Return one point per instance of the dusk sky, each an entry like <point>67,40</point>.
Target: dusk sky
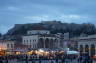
<point>30,11</point>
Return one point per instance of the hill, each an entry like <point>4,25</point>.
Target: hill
<point>55,27</point>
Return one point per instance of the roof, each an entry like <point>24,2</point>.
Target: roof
<point>6,41</point>
<point>47,35</point>
<point>88,39</point>
<point>42,35</point>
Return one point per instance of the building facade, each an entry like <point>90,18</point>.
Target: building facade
<point>6,45</point>
<point>87,44</point>
<point>30,40</point>
<point>48,41</point>
<point>41,39</point>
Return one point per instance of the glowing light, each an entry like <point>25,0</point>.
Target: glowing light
<point>17,53</point>
<point>2,47</point>
<point>41,50</point>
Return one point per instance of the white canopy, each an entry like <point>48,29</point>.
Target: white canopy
<point>72,52</point>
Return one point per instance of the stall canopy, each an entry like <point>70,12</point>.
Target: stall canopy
<point>72,52</point>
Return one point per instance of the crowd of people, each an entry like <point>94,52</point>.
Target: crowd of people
<point>84,58</point>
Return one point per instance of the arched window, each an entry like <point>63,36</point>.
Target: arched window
<point>47,43</point>
<point>41,43</point>
<point>11,45</point>
<point>8,45</point>
<point>55,43</point>
<point>81,48</point>
<point>87,49</point>
<point>30,40</point>
<point>51,43</point>
<point>92,49</point>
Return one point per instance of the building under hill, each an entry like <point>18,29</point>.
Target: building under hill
<point>86,44</point>
<point>41,38</point>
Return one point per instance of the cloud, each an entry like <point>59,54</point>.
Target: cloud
<point>74,18</point>
<point>37,18</point>
<point>71,16</point>
<point>12,8</point>
<point>29,11</point>
<point>65,18</point>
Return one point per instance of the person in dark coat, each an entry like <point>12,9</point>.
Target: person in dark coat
<point>6,60</point>
<point>26,59</point>
<point>1,61</point>
<point>40,61</point>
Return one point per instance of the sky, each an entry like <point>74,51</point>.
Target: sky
<point>34,11</point>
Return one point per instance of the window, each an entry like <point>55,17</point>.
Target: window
<point>27,40</point>
<point>8,45</point>
<point>34,40</point>
<point>11,45</point>
<point>30,40</point>
<point>24,41</point>
<point>33,46</point>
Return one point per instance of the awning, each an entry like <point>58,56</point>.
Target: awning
<point>72,52</point>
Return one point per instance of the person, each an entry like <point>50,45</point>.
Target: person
<point>56,60</point>
<point>52,62</point>
<point>80,59</point>
<point>1,61</point>
<point>40,61</point>
<point>91,60</point>
<point>26,59</point>
<point>6,60</point>
<point>63,60</point>
<point>33,61</point>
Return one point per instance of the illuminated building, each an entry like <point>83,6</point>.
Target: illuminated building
<point>6,45</point>
<point>41,38</point>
